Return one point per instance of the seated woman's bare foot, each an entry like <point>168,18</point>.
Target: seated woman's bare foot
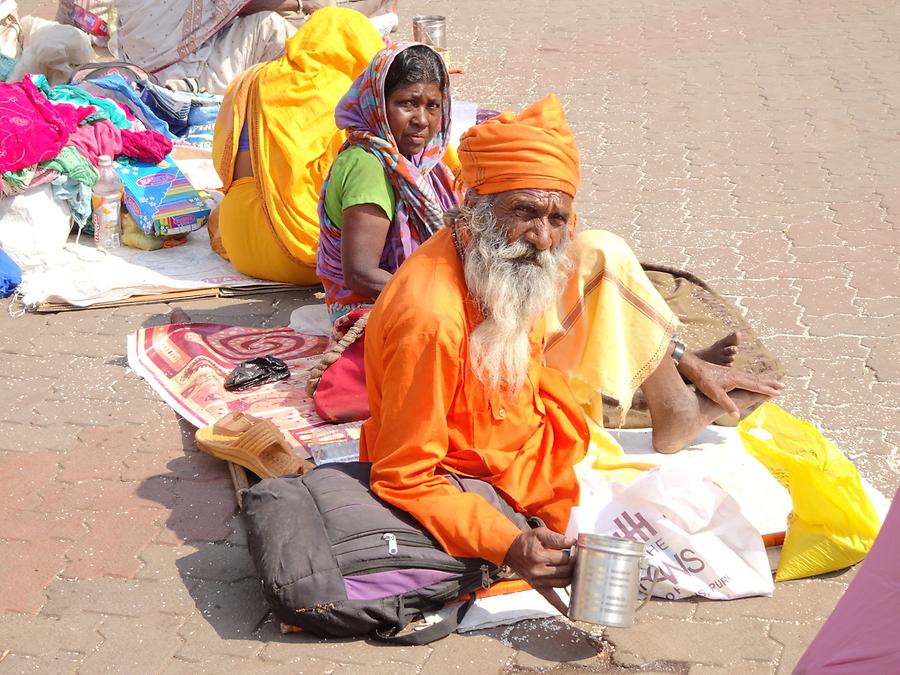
<point>722,352</point>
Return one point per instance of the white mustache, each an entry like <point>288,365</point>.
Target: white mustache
<point>523,252</point>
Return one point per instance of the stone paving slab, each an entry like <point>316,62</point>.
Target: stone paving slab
<point>754,144</point>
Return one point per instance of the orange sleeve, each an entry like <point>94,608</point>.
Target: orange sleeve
<point>422,373</point>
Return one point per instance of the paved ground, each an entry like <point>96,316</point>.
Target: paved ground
<point>755,144</point>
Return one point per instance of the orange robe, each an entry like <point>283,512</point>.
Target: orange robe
<point>430,415</point>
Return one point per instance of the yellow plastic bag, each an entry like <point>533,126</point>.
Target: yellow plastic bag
<point>833,523</point>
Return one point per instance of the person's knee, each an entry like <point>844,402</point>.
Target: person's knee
<point>603,241</point>
<point>605,246</point>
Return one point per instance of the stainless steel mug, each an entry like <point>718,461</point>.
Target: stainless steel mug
<point>606,580</point>
<point>431,29</point>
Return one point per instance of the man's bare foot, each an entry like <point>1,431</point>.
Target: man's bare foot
<point>722,352</point>
<point>747,401</point>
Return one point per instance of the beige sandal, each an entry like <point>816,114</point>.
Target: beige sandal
<point>256,444</point>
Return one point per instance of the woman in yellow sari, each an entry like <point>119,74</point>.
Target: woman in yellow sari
<point>283,113</point>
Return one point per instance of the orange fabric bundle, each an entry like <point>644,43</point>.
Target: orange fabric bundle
<point>533,149</point>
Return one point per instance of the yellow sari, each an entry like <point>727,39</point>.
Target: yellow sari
<point>269,224</point>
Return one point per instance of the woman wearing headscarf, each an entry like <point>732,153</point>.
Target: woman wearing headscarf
<point>385,194</point>
<point>274,141</point>
<point>389,186</point>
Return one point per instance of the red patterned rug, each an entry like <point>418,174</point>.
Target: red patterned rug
<point>186,364</point>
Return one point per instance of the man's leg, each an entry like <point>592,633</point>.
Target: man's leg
<point>611,334</point>
<point>678,413</point>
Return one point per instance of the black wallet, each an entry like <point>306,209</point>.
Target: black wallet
<point>253,373</point>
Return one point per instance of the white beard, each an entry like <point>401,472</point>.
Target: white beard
<point>513,284</point>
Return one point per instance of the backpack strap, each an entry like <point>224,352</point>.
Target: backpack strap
<point>436,631</point>
<point>89,71</point>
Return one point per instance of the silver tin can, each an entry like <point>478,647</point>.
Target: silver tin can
<point>431,29</point>
<point>606,580</point>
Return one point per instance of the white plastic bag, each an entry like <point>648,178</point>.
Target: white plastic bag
<point>10,30</point>
<point>698,542</point>
<point>52,49</point>
<point>34,227</point>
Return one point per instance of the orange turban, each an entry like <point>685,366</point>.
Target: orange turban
<point>533,149</point>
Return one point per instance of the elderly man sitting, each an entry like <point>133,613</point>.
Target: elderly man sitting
<point>459,360</point>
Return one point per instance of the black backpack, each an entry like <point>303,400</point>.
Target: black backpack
<point>337,561</point>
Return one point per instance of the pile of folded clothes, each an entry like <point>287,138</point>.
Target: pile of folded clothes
<point>56,134</point>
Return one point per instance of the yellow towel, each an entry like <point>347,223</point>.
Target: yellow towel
<point>611,328</point>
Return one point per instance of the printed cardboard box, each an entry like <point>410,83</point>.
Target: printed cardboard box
<point>160,198</point>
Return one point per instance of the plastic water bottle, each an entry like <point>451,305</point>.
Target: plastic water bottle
<point>106,203</point>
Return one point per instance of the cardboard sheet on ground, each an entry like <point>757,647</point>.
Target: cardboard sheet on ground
<point>503,610</point>
<point>83,276</point>
<point>197,164</point>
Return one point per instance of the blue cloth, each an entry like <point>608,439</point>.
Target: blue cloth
<point>189,115</point>
<point>244,140</point>
<point>173,107</point>
<point>77,195</point>
<point>10,275</point>
<point>6,67</point>
<point>202,120</point>
<point>119,89</point>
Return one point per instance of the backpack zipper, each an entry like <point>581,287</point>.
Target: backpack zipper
<point>391,540</point>
<point>410,536</point>
<point>414,540</point>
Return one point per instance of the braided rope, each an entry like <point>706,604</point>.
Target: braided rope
<point>333,354</point>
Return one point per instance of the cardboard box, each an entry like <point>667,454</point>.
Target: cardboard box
<point>161,198</point>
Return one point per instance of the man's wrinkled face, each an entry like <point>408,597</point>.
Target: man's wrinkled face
<point>515,262</point>
<point>537,217</point>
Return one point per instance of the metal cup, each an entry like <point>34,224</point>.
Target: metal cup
<point>606,580</point>
<point>431,29</point>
